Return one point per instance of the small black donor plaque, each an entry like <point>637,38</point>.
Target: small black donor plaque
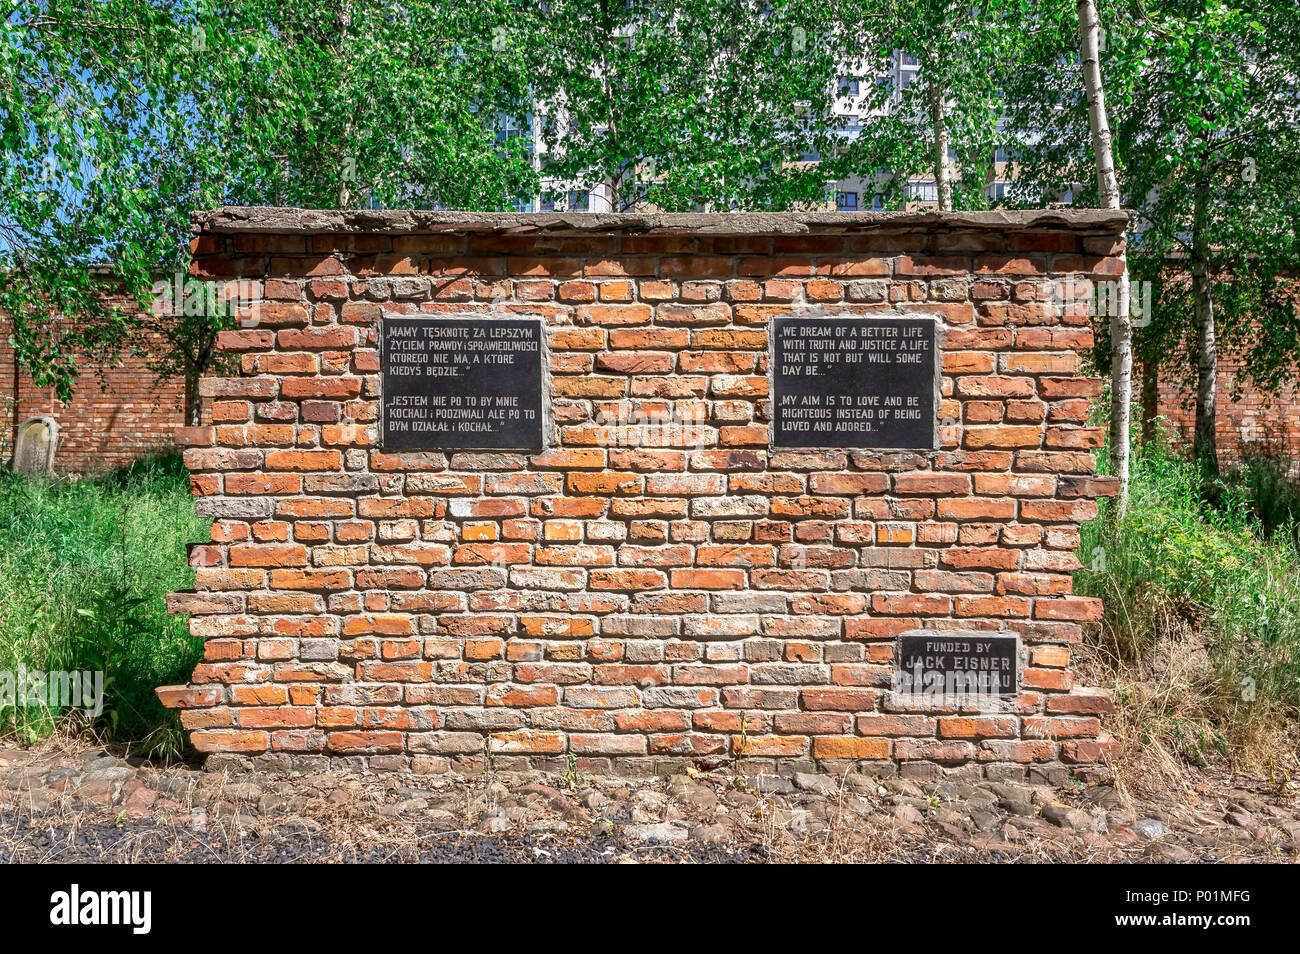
<point>462,383</point>
<point>957,664</point>
<point>861,383</point>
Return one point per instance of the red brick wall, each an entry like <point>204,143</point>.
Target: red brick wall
<point>1254,422</point>
<point>111,420</point>
<point>636,605</point>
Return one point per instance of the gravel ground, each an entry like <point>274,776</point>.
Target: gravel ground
<point>142,840</point>
<point>71,802</point>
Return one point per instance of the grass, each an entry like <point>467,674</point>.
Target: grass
<point>1273,495</point>
<point>1201,635</point>
<point>85,566</point>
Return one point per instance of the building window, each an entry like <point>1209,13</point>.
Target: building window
<point>998,190</point>
<point>877,203</point>
<point>848,86</point>
<point>923,191</point>
<point>846,201</point>
<point>579,202</point>
<point>510,128</point>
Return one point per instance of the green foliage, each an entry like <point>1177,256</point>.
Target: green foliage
<point>1202,98</point>
<point>1201,605</point>
<point>119,118</point>
<point>83,88</point>
<point>965,52</point>
<point>681,104</point>
<point>84,569</point>
<point>334,103</point>
<point>1274,494</point>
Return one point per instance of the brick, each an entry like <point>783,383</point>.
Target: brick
<point>1005,436</point>
<point>851,484</point>
<point>1040,363</point>
<point>318,460</point>
<point>924,482</point>
<point>268,555</point>
<point>1101,750</point>
<point>993,386</point>
<point>707,579</point>
<point>925,604</point>
<point>251,741</point>
<point>1078,608</point>
<point>850,748</point>
<point>997,606</point>
<point>909,750</point>
<point>188,697</point>
<point>1056,680</point>
<point>1061,727</point>
<point>963,727</point>
<point>848,700</point>
<point>316,339</point>
<point>364,742</point>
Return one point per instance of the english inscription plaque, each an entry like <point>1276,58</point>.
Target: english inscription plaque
<point>461,383</point>
<point>850,382</point>
<point>957,663</point>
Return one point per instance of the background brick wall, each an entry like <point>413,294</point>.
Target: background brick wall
<point>116,414</point>
<point>1252,422</point>
<point>637,596</point>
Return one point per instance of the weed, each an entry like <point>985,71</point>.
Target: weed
<point>1202,616</point>
<point>572,778</point>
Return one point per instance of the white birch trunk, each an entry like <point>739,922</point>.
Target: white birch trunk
<point>938,118</point>
<point>1121,328</point>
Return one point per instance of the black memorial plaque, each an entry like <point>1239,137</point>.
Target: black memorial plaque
<point>854,382</point>
<point>958,663</point>
<point>462,383</point>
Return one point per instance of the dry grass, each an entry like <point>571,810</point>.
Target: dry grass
<point>1201,634</point>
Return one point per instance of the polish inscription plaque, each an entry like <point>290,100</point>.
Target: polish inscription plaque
<point>461,383</point>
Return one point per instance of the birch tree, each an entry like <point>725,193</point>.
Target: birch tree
<point>1214,161</point>
<point>943,119</point>
<point>118,118</point>
<point>688,104</point>
<point>1203,103</point>
<point>1121,328</point>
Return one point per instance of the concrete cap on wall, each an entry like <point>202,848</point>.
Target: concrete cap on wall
<point>281,221</point>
